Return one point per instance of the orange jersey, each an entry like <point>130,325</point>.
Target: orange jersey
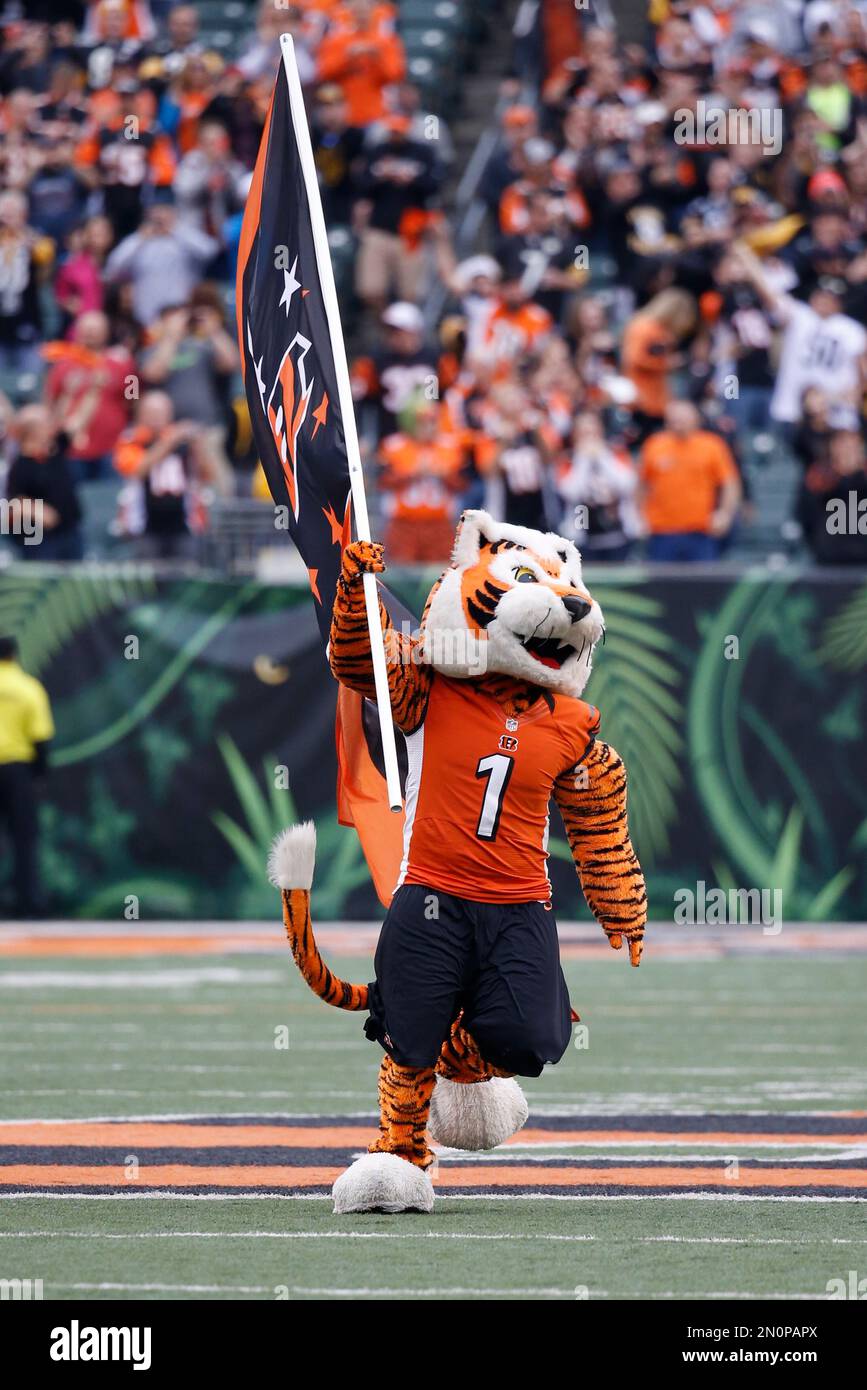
<point>646,358</point>
<point>422,479</point>
<point>362,61</point>
<point>515,210</point>
<point>478,788</point>
<point>682,479</point>
<point>511,333</point>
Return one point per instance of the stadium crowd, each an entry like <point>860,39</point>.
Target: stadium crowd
<point>667,297</point>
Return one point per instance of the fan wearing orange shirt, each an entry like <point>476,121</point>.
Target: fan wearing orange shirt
<point>516,327</point>
<point>422,473</point>
<point>649,354</point>
<point>363,55</point>
<point>690,488</point>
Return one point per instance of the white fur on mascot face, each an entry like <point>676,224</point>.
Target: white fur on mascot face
<point>513,602</point>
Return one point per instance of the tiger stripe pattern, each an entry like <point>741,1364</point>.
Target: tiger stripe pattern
<point>409,682</point>
<point>404,1103</point>
<point>462,1062</point>
<point>592,801</point>
<point>299,931</point>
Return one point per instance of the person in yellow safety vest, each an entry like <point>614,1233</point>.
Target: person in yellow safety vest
<point>26,728</point>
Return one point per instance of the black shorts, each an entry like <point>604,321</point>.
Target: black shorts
<point>499,962</point>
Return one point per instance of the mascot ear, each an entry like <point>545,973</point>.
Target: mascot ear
<point>472,536</point>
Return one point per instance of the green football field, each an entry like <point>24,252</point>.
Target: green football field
<point>174,1115</point>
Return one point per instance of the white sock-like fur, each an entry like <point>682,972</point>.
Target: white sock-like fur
<point>480,1115</point>
<point>292,856</point>
<point>383,1182</point>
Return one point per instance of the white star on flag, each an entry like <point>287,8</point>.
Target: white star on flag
<point>290,285</point>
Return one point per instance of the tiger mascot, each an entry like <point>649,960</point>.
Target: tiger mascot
<point>468,990</point>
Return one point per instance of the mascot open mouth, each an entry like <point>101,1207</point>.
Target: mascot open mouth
<point>549,651</point>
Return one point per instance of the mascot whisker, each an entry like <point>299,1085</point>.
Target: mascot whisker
<point>468,990</point>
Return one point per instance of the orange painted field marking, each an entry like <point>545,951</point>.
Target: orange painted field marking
<point>476,1176</point>
<point>188,1136</point>
<point>184,1135</point>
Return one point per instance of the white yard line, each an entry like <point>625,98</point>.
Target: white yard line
<point>429,1235</point>
<point>471,1293</point>
<point>30,1194</point>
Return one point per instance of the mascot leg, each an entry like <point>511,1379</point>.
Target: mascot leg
<point>392,1176</point>
<point>475,1105</point>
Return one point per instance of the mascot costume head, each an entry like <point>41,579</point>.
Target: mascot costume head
<point>513,603</point>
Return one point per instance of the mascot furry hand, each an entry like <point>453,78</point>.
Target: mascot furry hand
<point>468,989</point>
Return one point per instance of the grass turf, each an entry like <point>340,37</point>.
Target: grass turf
<point>164,1035</point>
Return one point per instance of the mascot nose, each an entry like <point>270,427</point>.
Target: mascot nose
<point>577,608</point>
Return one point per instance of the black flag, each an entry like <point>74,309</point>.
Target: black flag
<point>287,353</point>
<point>287,314</point>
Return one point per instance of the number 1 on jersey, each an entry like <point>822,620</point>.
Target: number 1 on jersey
<point>497,769</point>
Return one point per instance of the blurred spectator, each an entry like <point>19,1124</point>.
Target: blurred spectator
<point>363,55</point>
<point>406,100</point>
<point>821,347</point>
<point>473,282</point>
<point>209,184</point>
<point>518,124</point>
<point>78,286</point>
<point>515,327</point>
<point>519,459</point>
<point>187,98</point>
<point>337,146</point>
<point>179,42</point>
<point>393,374</point>
<point>162,261</point>
<point>25,258</point>
<point>396,181</point>
<point>94,383</point>
<point>599,486</point>
<point>166,463</point>
<point>42,480</point>
<point>690,488</point>
<point>261,56</point>
<point>126,156</point>
<point>192,360</point>
<point>421,475</point>
<point>57,194</point>
<point>26,60</point>
<point>650,354</point>
<point>542,255</point>
<point>538,179</point>
<point>833,503</point>
<point>812,435</point>
<point>742,344</point>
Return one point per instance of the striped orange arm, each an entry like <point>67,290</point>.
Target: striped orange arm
<point>592,802</point>
<point>409,681</point>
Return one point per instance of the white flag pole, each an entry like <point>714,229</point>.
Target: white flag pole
<point>347,411</point>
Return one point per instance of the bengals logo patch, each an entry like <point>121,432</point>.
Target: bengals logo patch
<point>508,743</point>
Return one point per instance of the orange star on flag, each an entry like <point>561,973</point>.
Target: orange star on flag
<point>314,574</point>
<point>320,413</point>
<point>336,526</point>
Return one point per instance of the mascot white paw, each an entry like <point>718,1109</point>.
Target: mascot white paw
<point>382,1182</point>
<point>477,1116</point>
